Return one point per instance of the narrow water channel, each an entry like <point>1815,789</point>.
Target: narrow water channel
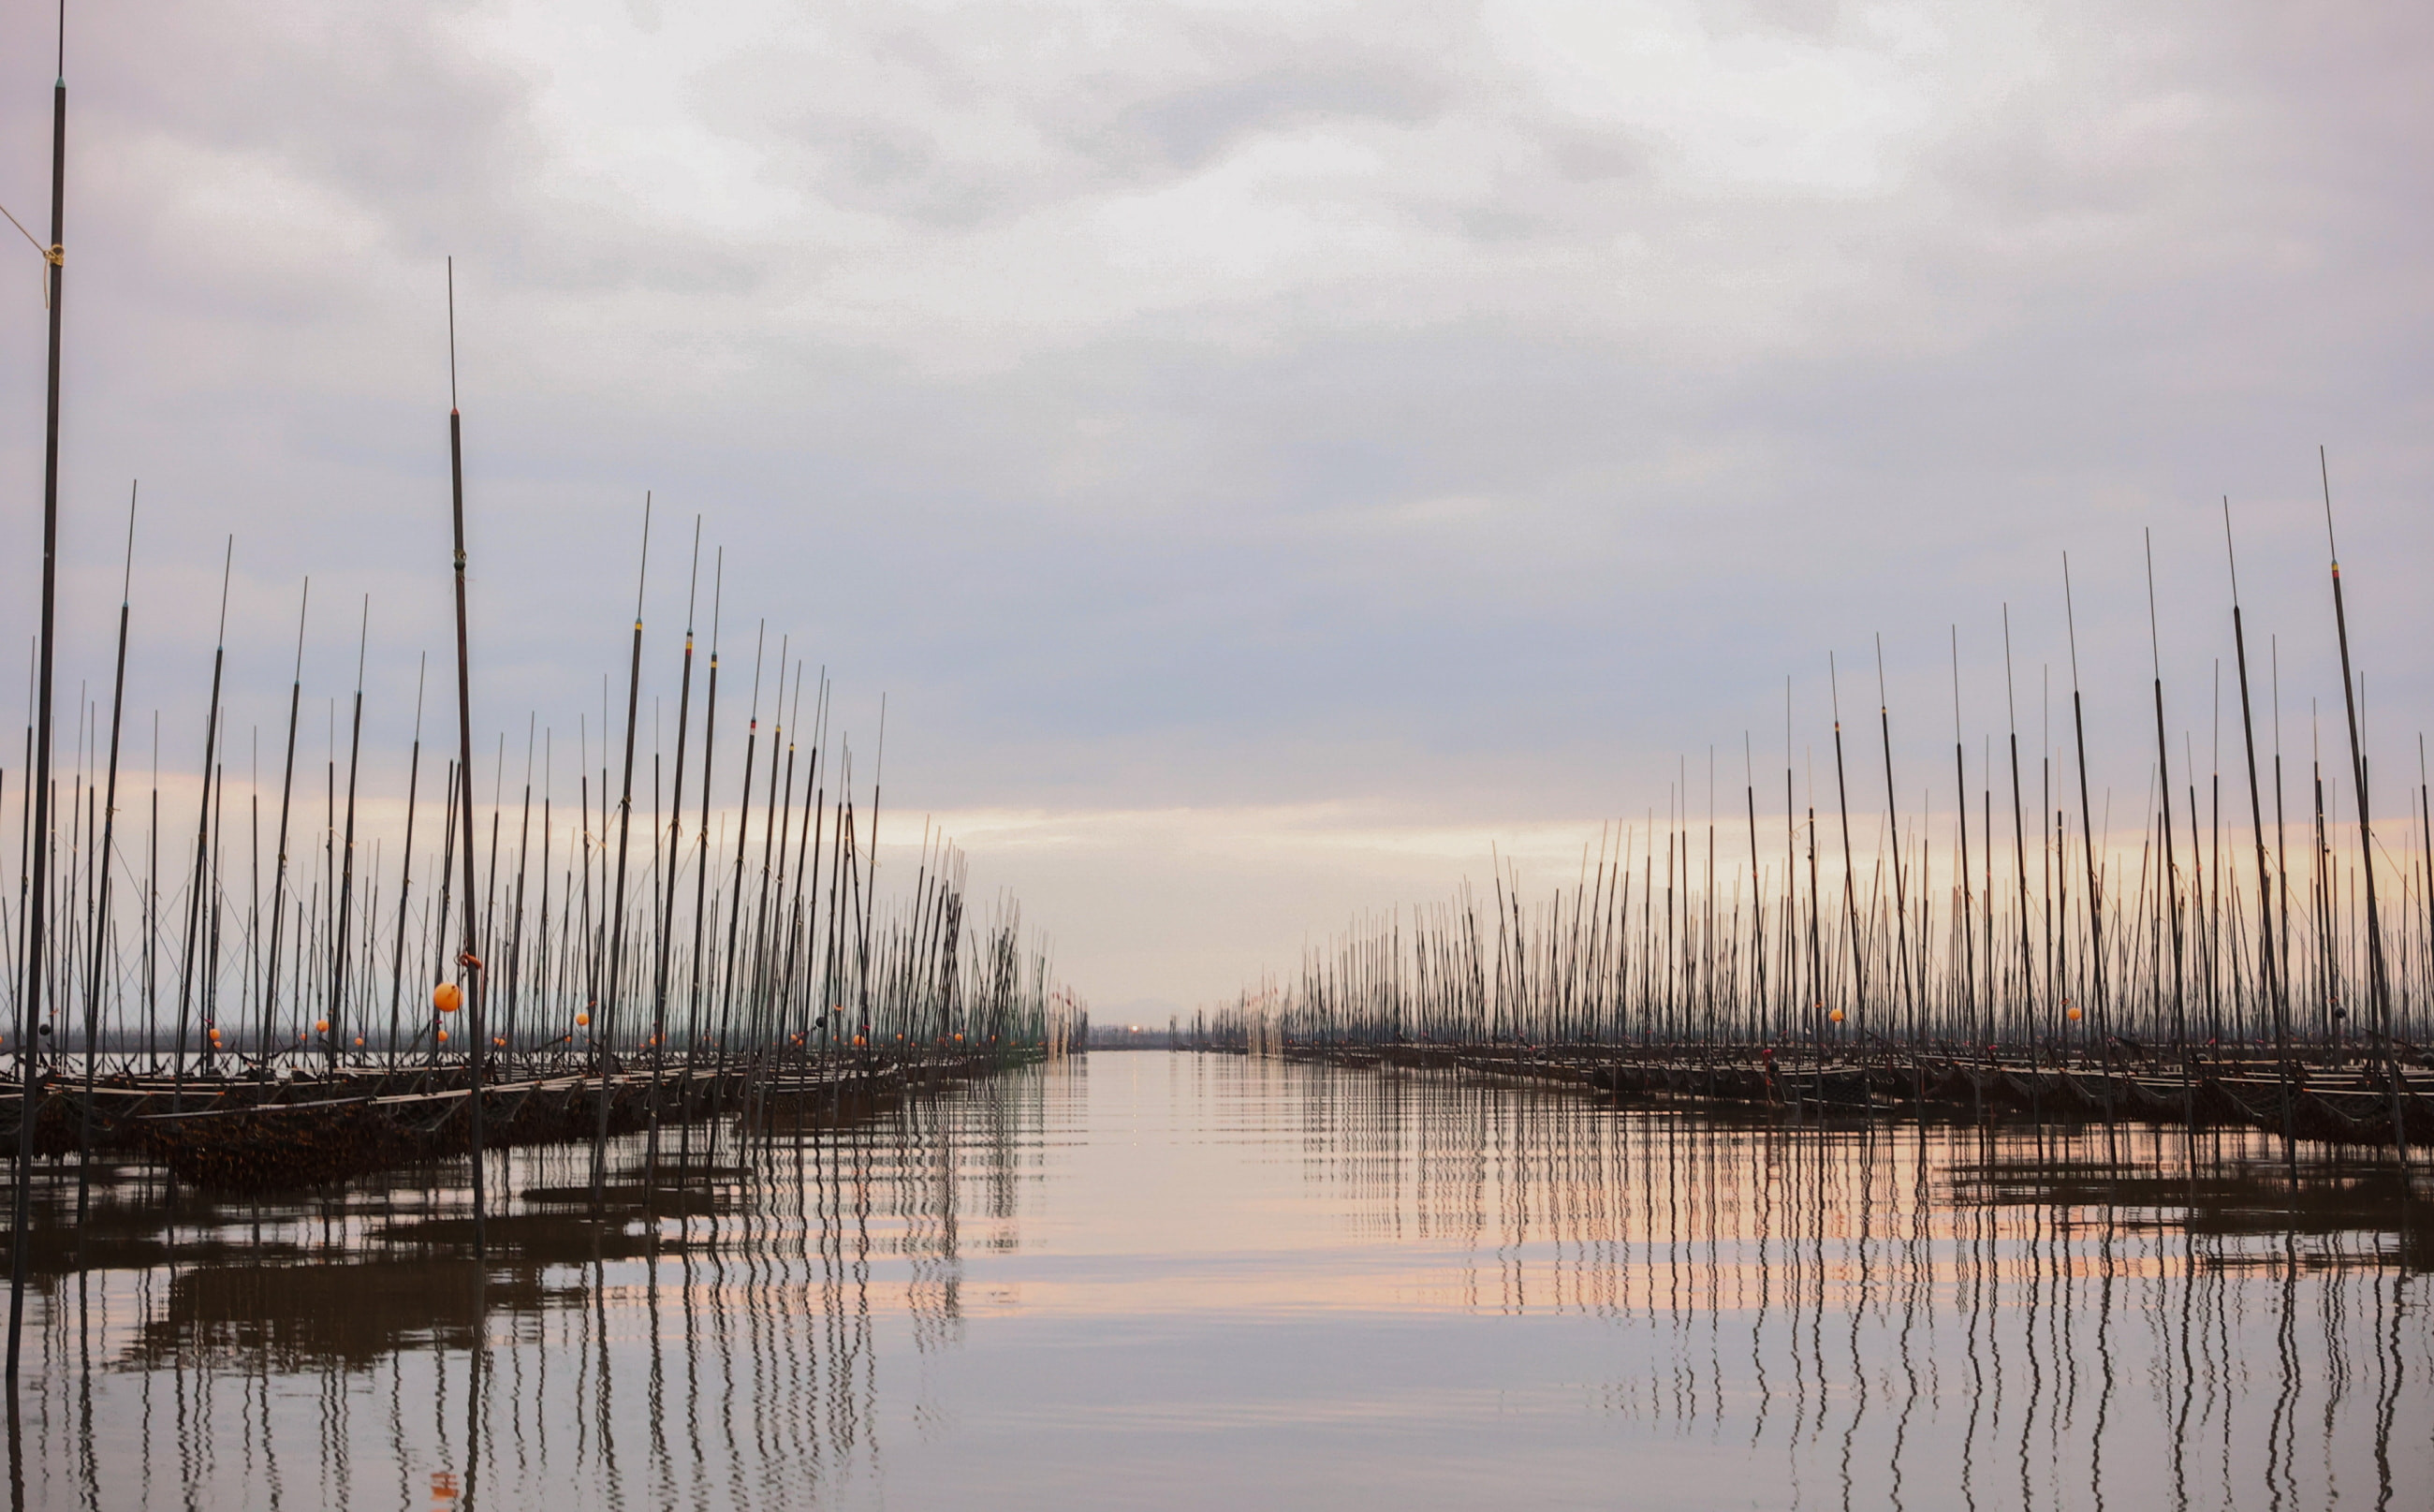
<point>1154,1280</point>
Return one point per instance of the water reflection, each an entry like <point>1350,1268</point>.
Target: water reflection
<point>1210,1281</point>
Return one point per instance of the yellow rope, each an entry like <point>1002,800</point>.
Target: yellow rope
<point>53,254</point>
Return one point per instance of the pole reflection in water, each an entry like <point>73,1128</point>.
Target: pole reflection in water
<point>1205,1281</point>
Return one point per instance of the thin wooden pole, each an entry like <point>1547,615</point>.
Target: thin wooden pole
<point>1901,894</point>
<point>101,906</point>
<point>2019,857</point>
<point>2276,998</point>
<point>743,826</point>
<point>2378,983</point>
<point>1974,1014</point>
<point>31,1004</point>
<point>2170,861</point>
<point>668,888</point>
<point>287,793</point>
<point>405,867</point>
<point>335,1016</point>
<point>604,1022</point>
<point>1850,873</point>
<point>466,956</point>
<point>701,863</point>
<point>2102,1024</point>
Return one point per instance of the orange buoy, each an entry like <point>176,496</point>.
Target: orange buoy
<point>857,1040</point>
<point>2073,1015</point>
<point>359,1041</point>
<point>1836,1015</point>
<point>443,1037</point>
<point>582,1021</point>
<point>446,998</point>
<point>320,1027</point>
<point>498,1039</point>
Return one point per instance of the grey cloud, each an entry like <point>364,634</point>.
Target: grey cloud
<point>1187,127</point>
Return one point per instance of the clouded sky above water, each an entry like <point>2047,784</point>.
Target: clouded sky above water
<point>1266,454</point>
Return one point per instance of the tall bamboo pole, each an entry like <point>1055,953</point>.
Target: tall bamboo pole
<point>464,955</point>
<point>2019,854</point>
<point>30,1004</point>
<point>2277,999</point>
<point>701,863</point>
<point>101,905</point>
<point>1901,894</point>
<point>2378,983</point>
<point>336,1018</point>
<point>287,793</point>
<point>2101,1022</point>
<point>2169,861</point>
<point>405,869</point>
<point>604,1023</point>
<point>1978,1028</point>
<point>668,889</point>
<point>1850,873</point>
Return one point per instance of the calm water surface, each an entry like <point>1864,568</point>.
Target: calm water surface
<point>1187,1282</point>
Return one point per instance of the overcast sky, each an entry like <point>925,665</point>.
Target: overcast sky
<point>1266,454</point>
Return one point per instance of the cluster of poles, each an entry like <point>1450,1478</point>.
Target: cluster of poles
<point>2012,920</point>
<point>228,955</point>
<point>667,913</point>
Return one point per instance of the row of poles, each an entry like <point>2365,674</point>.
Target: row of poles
<point>755,933</point>
<point>2060,937</point>
<point>293,944</point>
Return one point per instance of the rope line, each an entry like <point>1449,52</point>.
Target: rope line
<point>53,254</point>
